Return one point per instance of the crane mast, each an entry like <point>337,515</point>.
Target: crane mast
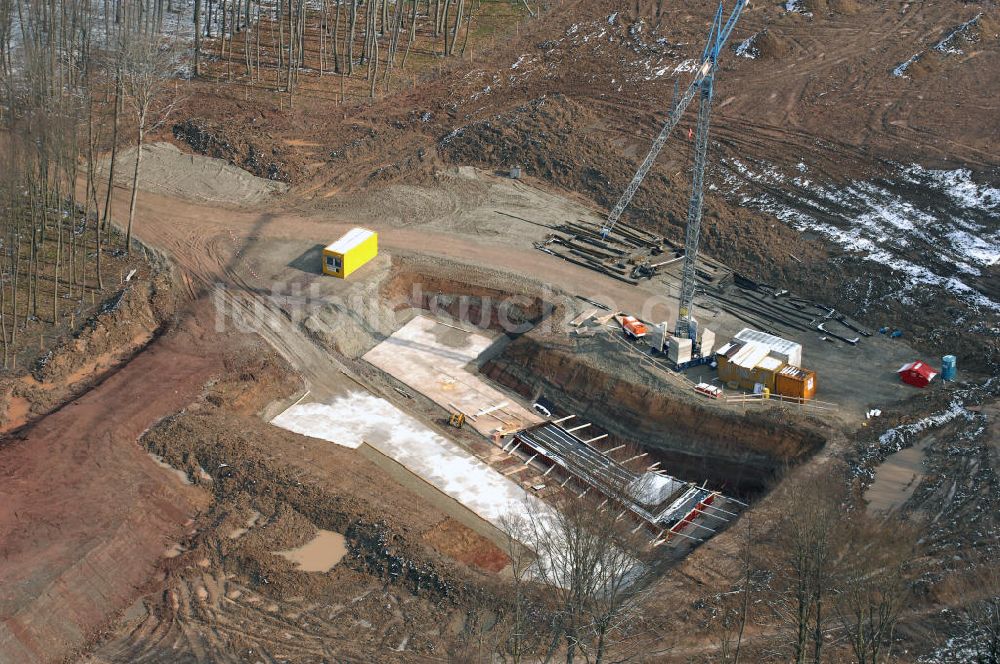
<point>702,86</point>
<point>685,327</point>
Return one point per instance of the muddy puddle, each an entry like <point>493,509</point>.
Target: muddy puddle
<point>897,478</point>
<point>319,554</point>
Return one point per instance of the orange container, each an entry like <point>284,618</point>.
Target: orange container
<point>795,382</point>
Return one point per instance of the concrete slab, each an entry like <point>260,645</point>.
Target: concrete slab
<point>434,359</point>
<point>359,417</point>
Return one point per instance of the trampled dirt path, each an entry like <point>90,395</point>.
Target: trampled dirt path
<point>85,513</point>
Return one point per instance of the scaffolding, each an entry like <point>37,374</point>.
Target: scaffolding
<point>663,503</point>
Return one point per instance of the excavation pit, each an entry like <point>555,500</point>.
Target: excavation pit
<point>740,454</point>
<point>473,301</point>
<point>473,362</point>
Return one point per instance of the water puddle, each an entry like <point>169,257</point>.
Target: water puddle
<point>897,478</point>
<point>319,554</point>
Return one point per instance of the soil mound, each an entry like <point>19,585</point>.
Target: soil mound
<point>770,46</point>
<point>167,170</point>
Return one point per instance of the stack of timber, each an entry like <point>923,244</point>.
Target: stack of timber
<point>627,253</point>
<point>772,310</point>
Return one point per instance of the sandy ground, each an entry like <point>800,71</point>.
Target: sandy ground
<point>165,169</point>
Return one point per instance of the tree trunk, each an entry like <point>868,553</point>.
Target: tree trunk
<point>468,29</point>
<point>291,41</point>
<point>458,25</point>
<point>55,269</point>
<point>444,22</point>
<point>114,151</point>
<point>3,321</point>
<point>336,36</point>
<point>222,28</point>
<point>135,182</point>
<point>197,37</point>
<point>374,61</point>
<point>349,37</point>
<point>413,33</point>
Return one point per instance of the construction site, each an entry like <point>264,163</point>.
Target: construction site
<point>651,334</point>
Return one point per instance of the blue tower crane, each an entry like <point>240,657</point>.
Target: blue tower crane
<point>685,326</point>
<point>702,85</point>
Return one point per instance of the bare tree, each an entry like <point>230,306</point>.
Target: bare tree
<point>147,64</point>
<point>588,559</point>
<point>805,561</point>
<point>197,37</point>
<point>521,637</point>
<point>875,586</point>
<point>733,608</point>
<point>980,616</point>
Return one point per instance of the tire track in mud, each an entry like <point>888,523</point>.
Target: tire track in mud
<point>274,630</point>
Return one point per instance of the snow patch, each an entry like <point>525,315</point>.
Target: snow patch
<point>947,44</point>
<point>900,70</point>
<point>797,7</point>
<point>897,438</point>
<point>748,48</point>
<point>687,65</point>
<point>930,227</point>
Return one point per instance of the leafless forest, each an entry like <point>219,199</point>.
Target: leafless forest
<point>84,78</point>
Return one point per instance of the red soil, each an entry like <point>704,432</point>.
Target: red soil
<point>85,513</point>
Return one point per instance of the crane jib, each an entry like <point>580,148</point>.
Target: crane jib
<point>709,63</point>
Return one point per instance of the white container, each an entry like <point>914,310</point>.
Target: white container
<point>658,337</point>
<point>706,339</point>
<point>787,351</point>
<point>679,350</point>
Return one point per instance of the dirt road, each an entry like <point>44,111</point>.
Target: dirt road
<point>210,242</point>
<point>85,513</point>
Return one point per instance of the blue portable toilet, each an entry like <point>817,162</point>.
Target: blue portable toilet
<point>948,367</point>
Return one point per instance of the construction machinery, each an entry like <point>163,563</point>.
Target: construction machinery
<point>703,86</point>
<point>456,419</point>
<point>633,327</point>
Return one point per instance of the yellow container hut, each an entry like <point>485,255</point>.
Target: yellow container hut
<point>354,249</point>
<point>795,382</point>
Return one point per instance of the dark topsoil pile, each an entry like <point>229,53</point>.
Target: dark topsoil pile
<point>252,150</point>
